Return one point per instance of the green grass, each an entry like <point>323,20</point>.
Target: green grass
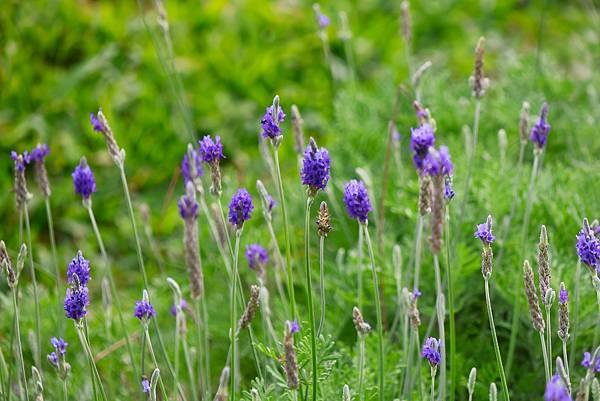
<point>61,60</point>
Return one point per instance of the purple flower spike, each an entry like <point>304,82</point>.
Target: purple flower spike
<point>563,296</point>
<point>20,160</point>
<point>39,153</point>
<point>270,124</point>
<point>323,21</point>
<point>83,179</point>
<point>315,167</point>
<point>96,123</point>
<point>556,390</point>
<point>539,132</point>
<point>59,345</point>
<point>240,208</point>
<point>484,232</point>
<point>294,327</point>
<point>211,151</point>
<point>587,362</point>
<point>182,305</point>
<point>421,139</point>
<point>145,385</point>
<point>186,167</point>
<point>588,246</point>
<point>437,162</point>
<point>448,189</point>
<point>257,256</point>
<point>53,359</point>
<point>76,302</point>
<point>416,293</point>
<point>357,200</point>
<point>80,267</point>
<point>188,206</point>
<point>431,351</point>
<point>144,310</point>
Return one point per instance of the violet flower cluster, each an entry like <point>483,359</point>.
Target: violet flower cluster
<point>60,349</point>
<point>144,310</point>
<point>315,168</point>
<point>182,306</point>
<point>21,160</point>
<point>556,390</point>
<point>83,180</point>
<point>39,153</point>
<point>357,200</point>
<point>484,232</point>
<point>541,129</point>
<point>210,151</point>
<point>588,246</point>
<point>240,208</point>
<point>588,362</point>
<point>431,351</point>
<point>77,297</point>
<point>270,124</point>
<point>421,139</point>
<point>189,171</point>
<point>257,256</point>
<point>188,206</point>
<point>80,267</point>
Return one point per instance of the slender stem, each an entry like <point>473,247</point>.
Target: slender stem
<point>441,317</point>
<point>281,266</point>
<point>178,323</point>
<point>545,355</point>
<point>433,385</point>
<point>153,356</point>
<point>407,387</point>
<point>288,250</point>
<point>516,304</point>
<point>495,340</point>
<point>224,224</point>
<point>19,345</point>
<point>206,338</point>
<point>199,346</point>
<point>378,310</point>
<point>232,314</point>
<point>215,234</point>
<point>90,355</point>
<point>575,313</point>
<point>549,336</point>
<point>361,366</point>
<point>36,299</point>
<point>309,296</point>
<point>472,153</point>
<point>113,287</point>
<point>418,248</point>
<point>565,357</point>
<point>451,309</point>
<point>190,369</point>
<point>55,260</point>
<point>92,374</point>
<point>65,391</point>
<point>359,275</point>
<point>322,282</point>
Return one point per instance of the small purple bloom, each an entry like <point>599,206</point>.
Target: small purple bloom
<point>96,123</point>
<point>587,361</point>
<point>539,132</point>
<point>556,390</point>
<point>20,160</point>
<point>53,359</point>
<point>431,351</point>
<point>188,206</point>
<point>323,21</point>
<point>39,153</point>
<point>59,345</point>
<point>76,302</point>
<point>80,267</point>
<point>257,256</point>
<point>563,296</point>
<point>421,139</point>
<point>294,327</point>
<point>83,179</point>
<point>144,310</point>
<point>357,200</point>
<point>588,246</point>
<point>270,124</point>
<point>484,232</point>
<point>182,306</point>
<point>437,162</point>
<point>240,208</point>
<point>315,167</point>
<point>271,203</point>
<point>396,137</point>
<point>448,189</point>
<point>145,385</point>
<point>211,151</point>
<point>186,168</point>
<point>416,293</point>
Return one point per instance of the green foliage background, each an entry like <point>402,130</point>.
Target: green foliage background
<point>60,60</point>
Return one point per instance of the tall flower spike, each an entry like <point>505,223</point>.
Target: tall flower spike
<point>532,298</point>
<point>100,124</point>
<point>588,246</point>
<point>240,208</point>
<point>563,313</point>
<point>524,123</point>
<point>143,309</point>
<point>212,153</point>
<point>544,264</point>
<point>405,20</point>
<point>83,180</point>
<point>297,125</point>
<point>188,209</point>
<point>22,195</point>
<point>540,130</point>
<point>421,139</point>
<point>291,363</point>
<point>268,203</point>
<point>431,351</point>
<point>270,123</point>
<point>80,267</point>
<point>251,309</point>
<point>191,166</point>
<point>478,82</point>
<point>357,200</point>
<point>323,220</point>
<point>76,302</point>
<point>362,327</point>
<point>38,155</point>
<point>484,233</point>
<point>315,168</point>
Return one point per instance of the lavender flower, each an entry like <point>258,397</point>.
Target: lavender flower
<point>80,267</point>
<point>588,246</point>
<point>211,151</point>
<point>182,306</point>
<point>188,206</point>
<point>563,296</point>
<point>421,139</point>
<point>189,171</point>
<point>144,310</point>
<point>323,20</point>
<point>83,180</point>
<point>484,232</point>
<point>257,256</point>
<point>21,192</point>
<point>448,188</point>
<point>438,162</point>
<point>60,345</point>
<point>53,359</point>
<point>588,362</point>
<point>556,390</point>
<point>416,293</point>
<point>20,160</point>
<point>540,130</point>
<point>315,168</point>
<point>100,124</point>
<point>76,302</point>
<point>38,154</point>
<point>145,385</point>
<point>270,123</point>
<point>97,125</point>
<point>240,208</point>
<point>563,313</point>
<point>357,200</point>
<point>294,327</point>
<point>431,351</point>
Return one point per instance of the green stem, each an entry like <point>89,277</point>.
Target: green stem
<point>575,313</point>
<point>516,304</point>
<point>153,356</point>
<point>36,299</point>
<point>232,314</point>
<point>90,355</point>
<point>190,369</point>
<point>311,312</point>
<point>178,319</point>
<point>495,340</point>
<point>452,321</point>
<point>378,310</point>
<point>549,337</point>
<point>288,251</point>
<point>65,391</point>
<point>361,366</point>
<point>199,346</point>
<point>113,287</point>
<point>281,266</point>
<point>565,358</point>
<point>322,282</point>
<point>215,233</point>
<point>545,355</point>
<point>359,276</point>
<point>433,385</point>
<point>418,248</point>
<point>471,156</point>
<point>441,317</point>
<point>206,337</point>
<point>55,260</point>
<point>19,345</point>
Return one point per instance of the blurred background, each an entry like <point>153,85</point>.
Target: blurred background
<point>167,73</point>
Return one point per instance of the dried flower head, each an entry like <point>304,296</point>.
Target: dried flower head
<point>251,309</point>
<point>357,200</point>
<point>405,22</point>
<point>362,327</point>
<point>83,180</point>
<point>563,313</point>
<point>291,363</point>
<point>323,220</point>
<point>240,208</point>
<point>532,298</point>
<point>484,233</point>
<point>543,259</point>
<point>38,155</point>
<point>425,192</point>
<point>478,82</point>
<point>100,124</point>
<point>7,266</point>
<point>80,267</point>
<point>541,129</point>
<point>315,168</point>
<point>188,206</point>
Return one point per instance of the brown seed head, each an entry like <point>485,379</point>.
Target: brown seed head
<point>532,298</point>
<point>323,220</point>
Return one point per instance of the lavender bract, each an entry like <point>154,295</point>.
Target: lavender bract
<point>240,208</point>
<point>59,344</point>
<point>431,351</point>
<point>145,386</point>
<point>53,359</point>
<point>39,153</point>
<point>182,306</point>
<point>357,200</point>
<point>587,362</point>
<point>257,256</point>
<point>83,179</point>
<point>97,125</point>
<point>563,296</point>
<point>421,139</point>
<point>588,246</point>
<point>270,123</point>
<point>188,206</point>
<point>294,327</point>
<point>211,151</point>
<point>144,310</point>
<point>76,302</point>
<point>541,129</point>
<point>448,189</point>
<point>187,172</point>
<point>437,162</point>
<point>315,167</point>
<point>556,390</point>
<point>80,267</point>
<point>484,232</point>
<point>21,160</point>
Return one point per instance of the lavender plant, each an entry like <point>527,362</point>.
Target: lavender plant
<point>431,353</point>
<point>362,329</point>
<point>57,359</point>
<point>323,229</point>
